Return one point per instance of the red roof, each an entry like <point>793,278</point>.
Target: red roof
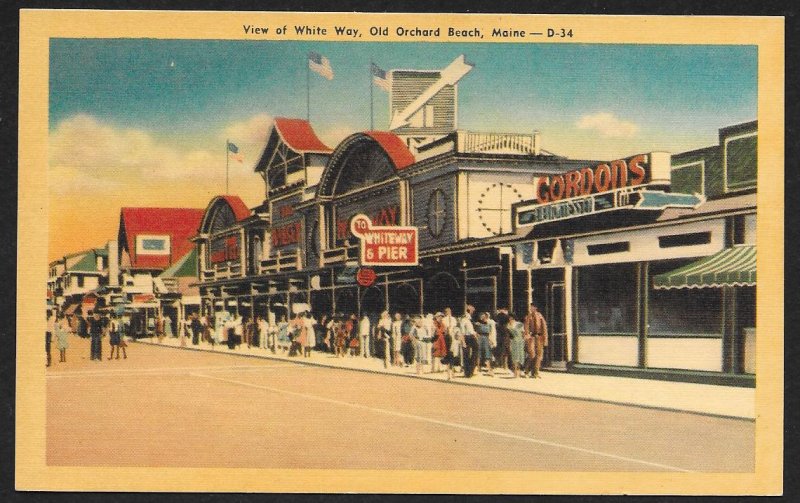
<point>179,223</point>
<point>240,210</point>
<point>300,136</point>
<point>394,146</point>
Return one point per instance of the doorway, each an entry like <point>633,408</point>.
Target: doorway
<point>556,353</point>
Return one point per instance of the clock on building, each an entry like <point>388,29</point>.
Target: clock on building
<point>494,207</point>
<point>436,213</point>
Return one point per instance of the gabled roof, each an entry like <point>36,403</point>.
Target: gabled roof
<point>88,263</point>
<point>298,135</point>
<point>185,267</point>
<point>394,147</point>
<point>179,223</point>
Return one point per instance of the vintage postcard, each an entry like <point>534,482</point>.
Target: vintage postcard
<point>373,253</point>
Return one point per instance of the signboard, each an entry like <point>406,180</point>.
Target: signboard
<point>366,276</point>
<point>385,245</point>
<point>636,198</point>
<point>619,184</point>
<point>640,169</point>
<point>150,244</point>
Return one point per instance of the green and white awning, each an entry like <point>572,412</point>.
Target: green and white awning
<point>730,267</point>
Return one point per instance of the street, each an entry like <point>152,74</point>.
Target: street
<point>164,407</point>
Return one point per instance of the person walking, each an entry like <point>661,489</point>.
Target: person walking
<point>48,335</point>
<point>503,350</point>
<point>62,329</point>
<point>168,332</point>
<point>363,336</point>
<point>115,338</point>
<point>440,345</point>
<point>407,346</point>
<point>183,330</point>
<point>517,344</point>
<point>385,336</point>
<point>95,333</point>
<point>263,332</point>
<point>340,331</point>
<point>397,339</point>
<point>309,323</point>
<point>470,342</point>
<point>487,332</point>
<point>160,328</point>
<point>535,328</point>
<point>351,325</point>
<point>238,330</point>
<point>418,336</point>
<point>196,328</point>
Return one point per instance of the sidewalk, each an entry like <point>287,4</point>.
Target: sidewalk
<point>726,401</point>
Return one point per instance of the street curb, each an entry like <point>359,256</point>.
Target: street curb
<point>471,384</point>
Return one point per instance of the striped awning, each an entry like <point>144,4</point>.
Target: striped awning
<point>730,267</point>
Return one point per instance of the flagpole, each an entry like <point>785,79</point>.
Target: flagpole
<point>227,160</point>
<point>371,100</point>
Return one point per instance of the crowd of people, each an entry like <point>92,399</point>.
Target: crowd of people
<point>95,326</point>
<point>436,342</point>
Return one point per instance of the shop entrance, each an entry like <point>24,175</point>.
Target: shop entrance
<point>556,353</point>
<point>404,299</point>
<point>372,302</point>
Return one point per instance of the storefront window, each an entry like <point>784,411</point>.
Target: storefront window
<point>683,311</point>
<point>607,300</point>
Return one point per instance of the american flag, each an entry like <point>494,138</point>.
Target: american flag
<point>381,78</point>
<point>320,64</point>
<point>233,149</point>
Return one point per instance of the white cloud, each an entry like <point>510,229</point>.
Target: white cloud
<point>334,134</point>
<point>90,153</point>
<point>249,131</point>
<point>608,125</point>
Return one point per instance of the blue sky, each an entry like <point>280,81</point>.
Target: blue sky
<point>190,88</point>
<point>144,122</point>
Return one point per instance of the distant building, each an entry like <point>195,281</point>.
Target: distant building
<point>152,240</point>
<point>76,278</point>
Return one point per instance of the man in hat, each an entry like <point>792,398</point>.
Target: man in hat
<point>96,333</point>
<point>535,329</point>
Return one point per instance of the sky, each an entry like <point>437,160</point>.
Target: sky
<point>144,122</point>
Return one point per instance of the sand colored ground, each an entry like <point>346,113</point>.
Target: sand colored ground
<point>168,407</point>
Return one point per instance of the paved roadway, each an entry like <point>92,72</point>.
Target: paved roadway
<point>170,407</point>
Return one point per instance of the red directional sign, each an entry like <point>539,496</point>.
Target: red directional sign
<point>366,276</point>
<point>385,245</point>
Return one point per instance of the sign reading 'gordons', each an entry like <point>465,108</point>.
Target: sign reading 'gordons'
<point>385,245</point>
<point>604,187</point>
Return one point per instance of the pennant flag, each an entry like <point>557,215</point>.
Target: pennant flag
<point>233,149</point>
<point>381,78</point>
<point>320,64</point>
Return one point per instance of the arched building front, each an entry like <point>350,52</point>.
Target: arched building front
<point>297,247</point>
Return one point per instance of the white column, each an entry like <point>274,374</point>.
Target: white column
<point>568,312</point>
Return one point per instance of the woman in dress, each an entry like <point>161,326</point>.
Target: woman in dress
<point>115,337</point>
<point>517,343</point>
<point>397,339</point>
<point>439,343</point>
<point>62,337</point>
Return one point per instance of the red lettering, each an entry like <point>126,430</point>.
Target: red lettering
<point>602,177</point>
<point>637,170</point>
<point>556,181</point>
<point>573,187</point>
<point>587,181</point>
<point>619,174</point>
<point>542,196</point>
